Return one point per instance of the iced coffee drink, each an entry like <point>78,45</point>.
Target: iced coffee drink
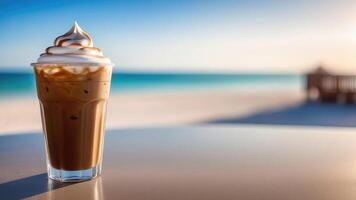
<point>73,84</point>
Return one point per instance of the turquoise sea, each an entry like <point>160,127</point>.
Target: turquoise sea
<point>14,84</point>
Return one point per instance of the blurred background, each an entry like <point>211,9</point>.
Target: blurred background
<point>194,62</point>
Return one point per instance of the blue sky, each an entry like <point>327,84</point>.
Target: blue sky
<point>196,35</point>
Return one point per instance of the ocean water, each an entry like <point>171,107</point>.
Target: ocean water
<point>13,84</point>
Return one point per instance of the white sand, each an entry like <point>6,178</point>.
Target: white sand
<point>157,109</point>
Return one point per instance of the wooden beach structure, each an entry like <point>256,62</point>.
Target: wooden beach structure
<point>324,86</point>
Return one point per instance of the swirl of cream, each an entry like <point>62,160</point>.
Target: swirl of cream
<point>76,46</point>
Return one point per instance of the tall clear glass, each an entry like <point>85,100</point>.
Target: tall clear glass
<point>73,99</point>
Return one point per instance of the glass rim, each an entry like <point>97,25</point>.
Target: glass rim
<point>73,64</point>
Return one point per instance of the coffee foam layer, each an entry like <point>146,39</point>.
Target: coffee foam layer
<point>72,73</point>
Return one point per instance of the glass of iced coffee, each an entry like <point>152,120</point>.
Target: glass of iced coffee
<point>73,85</point>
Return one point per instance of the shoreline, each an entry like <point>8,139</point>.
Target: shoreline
<point>129,110</point>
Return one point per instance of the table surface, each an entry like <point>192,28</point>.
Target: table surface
<point>196,162</point>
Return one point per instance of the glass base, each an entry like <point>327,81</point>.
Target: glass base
<point>73,176</point>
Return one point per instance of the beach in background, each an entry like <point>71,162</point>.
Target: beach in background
<point>193,62</point>
<point>160,99</point>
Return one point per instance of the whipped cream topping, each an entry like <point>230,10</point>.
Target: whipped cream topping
<point>76,46</point>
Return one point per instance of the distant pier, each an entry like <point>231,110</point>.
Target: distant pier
<point>323,86</point>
